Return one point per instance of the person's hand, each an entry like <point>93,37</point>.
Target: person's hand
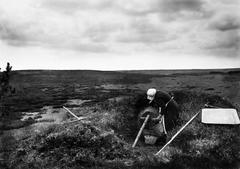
<point>159,110</point>
<point>144,115</point>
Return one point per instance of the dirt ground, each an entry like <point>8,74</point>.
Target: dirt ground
<point>105,98</point>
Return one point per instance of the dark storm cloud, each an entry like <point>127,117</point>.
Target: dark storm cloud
<point>226,23</point>
<point>179,5</point>
<point>232,42</point>
<point>227,41</point>
<point>19,36</point>
<point>184,10</point>
<point>226,33</point>
<point>227,49</point>
<point>11,35</point>
<point>172,9</point>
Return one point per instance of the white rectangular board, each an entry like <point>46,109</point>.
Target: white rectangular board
<point>220,116</point>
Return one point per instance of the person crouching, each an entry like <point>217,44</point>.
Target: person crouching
<point>154,131</point>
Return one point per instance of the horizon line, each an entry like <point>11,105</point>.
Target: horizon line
<point>127,69</point>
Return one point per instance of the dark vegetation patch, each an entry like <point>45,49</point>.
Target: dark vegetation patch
<point>106,141</point>
<point>232,78</point>
<point>15,124</point>
<point>209,89</point>
<point>234,72</point>
<point>217,72</point>
<point>190,87</point>
<point>91,78</point>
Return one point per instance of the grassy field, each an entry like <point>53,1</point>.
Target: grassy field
<point>104,140</point>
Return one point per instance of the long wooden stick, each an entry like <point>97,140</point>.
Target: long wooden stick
<point>163,123</point>
<point>177,133</point>
<point>79,118</point>
<point>169,101</point>
<point>140,131</point>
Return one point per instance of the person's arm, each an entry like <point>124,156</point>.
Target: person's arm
<point>158,118</point>
<point>161,105</point>
<point>163,110</point>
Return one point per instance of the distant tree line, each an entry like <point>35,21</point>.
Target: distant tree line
<point>5,88</point>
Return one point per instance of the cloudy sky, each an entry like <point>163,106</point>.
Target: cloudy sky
<point>120,34</point>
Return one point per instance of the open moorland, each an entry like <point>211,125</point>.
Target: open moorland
<point>35,133</point>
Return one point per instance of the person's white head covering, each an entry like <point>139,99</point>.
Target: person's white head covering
<point>151,93</point>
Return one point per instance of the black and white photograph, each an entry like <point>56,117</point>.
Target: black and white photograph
<point>119,84</point>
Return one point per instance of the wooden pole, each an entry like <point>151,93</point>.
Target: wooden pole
<point>140,131</point>
<point>79,118</point>
<point>177,133</point>
<point>163,123</point>
<point>169,101</point>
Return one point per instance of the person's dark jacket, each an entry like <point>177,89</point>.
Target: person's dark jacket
<point>171,112</point>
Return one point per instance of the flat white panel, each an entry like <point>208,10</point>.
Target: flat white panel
<point>220,116</point>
